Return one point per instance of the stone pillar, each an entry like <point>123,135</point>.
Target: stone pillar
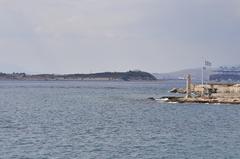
<point>188,86</point>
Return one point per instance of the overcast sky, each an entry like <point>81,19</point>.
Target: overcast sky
<point>70,36</point>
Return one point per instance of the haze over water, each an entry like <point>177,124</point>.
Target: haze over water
<point>103,120</point>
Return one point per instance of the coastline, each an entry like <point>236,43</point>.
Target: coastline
<point>211,93</point>
<point>105,76</point>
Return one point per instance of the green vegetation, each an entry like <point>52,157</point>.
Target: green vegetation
<point>125,76</point>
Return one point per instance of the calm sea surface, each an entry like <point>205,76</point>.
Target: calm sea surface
<point>111,120</point>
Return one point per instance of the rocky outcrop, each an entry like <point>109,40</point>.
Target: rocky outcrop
<point>221,100</point>
<point>210,93</point>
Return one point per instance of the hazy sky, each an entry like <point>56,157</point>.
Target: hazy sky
<point>67,36</point>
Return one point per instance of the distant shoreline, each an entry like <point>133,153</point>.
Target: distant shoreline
<point>105,76</point>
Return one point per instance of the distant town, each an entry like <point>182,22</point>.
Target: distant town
<point>220,74</point>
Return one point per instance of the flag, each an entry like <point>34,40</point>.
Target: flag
<point>207,63</point>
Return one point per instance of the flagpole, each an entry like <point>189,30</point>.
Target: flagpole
<point>203,72</point>
<point>202,76</point>
<point>205,65</point>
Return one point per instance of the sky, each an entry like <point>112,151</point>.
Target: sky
<point>85,36</point>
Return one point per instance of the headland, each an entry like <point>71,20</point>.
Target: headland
<point>105,76</point>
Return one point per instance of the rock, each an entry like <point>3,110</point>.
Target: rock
<point>202,100</point>
<point>174,90</point>
<point>178,90</point>
<point>151,98</point>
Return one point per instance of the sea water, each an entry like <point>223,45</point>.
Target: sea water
<point>111,120</point>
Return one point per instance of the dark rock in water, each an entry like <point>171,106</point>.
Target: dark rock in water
<point>174,90</point>
<point>170,99</point>
<point>151,98</point>
<point>178,90</point>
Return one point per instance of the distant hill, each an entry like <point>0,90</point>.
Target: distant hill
<point>181,74</point>
<point>124,76</point>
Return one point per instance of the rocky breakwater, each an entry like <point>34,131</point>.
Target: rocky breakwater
<point>205,100</point>
<point>213,93</point>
